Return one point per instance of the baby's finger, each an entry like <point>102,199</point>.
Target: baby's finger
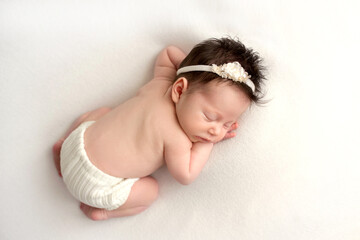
<point>229,135</point>
<point>234,126</point>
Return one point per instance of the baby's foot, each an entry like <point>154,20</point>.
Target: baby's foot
<point>94,213</point>
<point>56,154</point>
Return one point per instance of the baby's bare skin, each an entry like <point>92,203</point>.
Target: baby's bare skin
<point>136,138</point>
<point>128,141</point>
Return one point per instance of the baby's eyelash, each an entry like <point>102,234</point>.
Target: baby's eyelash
<point>206,117</point>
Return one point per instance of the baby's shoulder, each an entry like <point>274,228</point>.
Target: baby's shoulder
<point>174,137</point>
<point>158,88</point>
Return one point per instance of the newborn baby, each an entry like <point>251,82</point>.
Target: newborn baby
<point>192,102</point>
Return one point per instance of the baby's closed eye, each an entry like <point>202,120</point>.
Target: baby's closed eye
<point>209,116</point>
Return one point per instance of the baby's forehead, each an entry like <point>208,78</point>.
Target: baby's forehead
<point>225,98</point>
<point>220,90</point>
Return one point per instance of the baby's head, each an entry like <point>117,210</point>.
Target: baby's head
<point>216,83</point>
<point>219,52</point>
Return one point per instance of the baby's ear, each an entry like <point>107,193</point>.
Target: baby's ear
<point>178,88</point>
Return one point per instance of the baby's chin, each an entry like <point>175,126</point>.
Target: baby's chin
<point>202,140</point>
<point>193,139</point>
<point>196,139</point>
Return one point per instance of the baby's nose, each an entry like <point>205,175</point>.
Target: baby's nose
<point>215,130</point>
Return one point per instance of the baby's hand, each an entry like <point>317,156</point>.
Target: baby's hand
<point>231,133</point>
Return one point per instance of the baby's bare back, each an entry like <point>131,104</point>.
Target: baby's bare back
<point>129,141</point>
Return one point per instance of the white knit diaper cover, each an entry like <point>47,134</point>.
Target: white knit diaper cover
<point>87,183</point>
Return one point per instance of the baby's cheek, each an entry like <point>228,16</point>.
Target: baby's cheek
<point>221,137</point>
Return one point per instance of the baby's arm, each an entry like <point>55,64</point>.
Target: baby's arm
<point>167,63</point>
<point>186,162</point>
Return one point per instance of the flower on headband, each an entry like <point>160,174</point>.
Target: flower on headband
<point>233,71</point>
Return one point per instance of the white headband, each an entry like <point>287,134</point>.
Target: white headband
<point>233,71</point>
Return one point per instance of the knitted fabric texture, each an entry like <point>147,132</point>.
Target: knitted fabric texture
<point>87,183</point>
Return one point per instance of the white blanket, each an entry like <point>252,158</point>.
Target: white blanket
<point>291,173</point>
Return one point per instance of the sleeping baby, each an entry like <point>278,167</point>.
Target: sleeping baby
<point>194,101</point>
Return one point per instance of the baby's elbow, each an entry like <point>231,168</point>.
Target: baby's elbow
<point>181,177</point>
<point>185,183</point>
<point>171,48</point>
<point>185,180</point>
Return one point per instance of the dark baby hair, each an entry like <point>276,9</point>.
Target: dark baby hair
<point>221,51</point>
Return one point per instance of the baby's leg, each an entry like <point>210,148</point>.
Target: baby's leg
<point>143,193</point>
<point>89,116</point>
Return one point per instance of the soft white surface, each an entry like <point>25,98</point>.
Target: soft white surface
<point>293,171</point>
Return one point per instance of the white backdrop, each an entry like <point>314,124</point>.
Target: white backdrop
<point>291,173</point>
